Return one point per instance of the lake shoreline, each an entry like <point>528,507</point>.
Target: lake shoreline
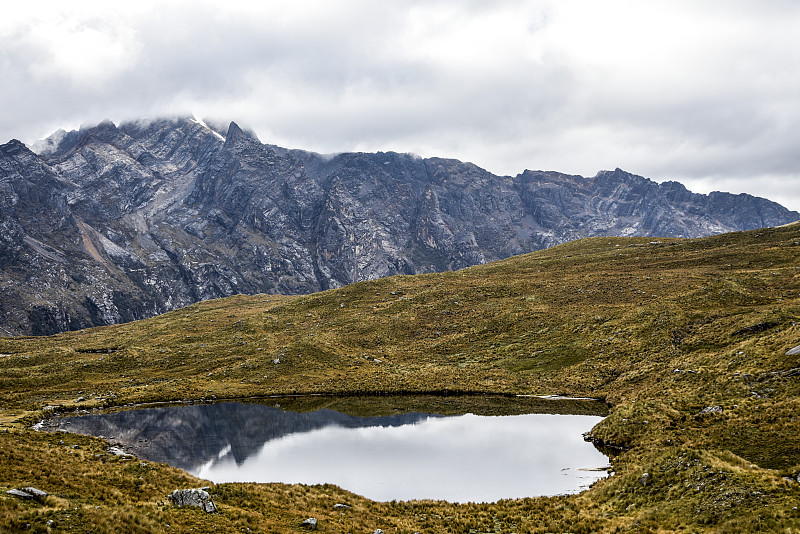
<point>399,448</point>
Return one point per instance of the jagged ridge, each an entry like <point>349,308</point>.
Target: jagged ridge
<point>114,223</point>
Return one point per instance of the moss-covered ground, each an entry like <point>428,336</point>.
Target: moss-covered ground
<point>660,329</point>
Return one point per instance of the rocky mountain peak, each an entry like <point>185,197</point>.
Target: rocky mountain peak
<point>13,148</point>
<point>236,136</point>
<point>115,223</point>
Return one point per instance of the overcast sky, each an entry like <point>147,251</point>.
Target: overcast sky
<point>703,92</point>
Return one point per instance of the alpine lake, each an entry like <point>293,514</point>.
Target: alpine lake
<point>471,448</point>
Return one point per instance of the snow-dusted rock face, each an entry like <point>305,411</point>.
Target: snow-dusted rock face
<point>116,223</point>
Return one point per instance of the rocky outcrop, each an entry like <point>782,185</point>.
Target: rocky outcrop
<point>192,497</point>
<point>28,493</point>
<point>115,223</point>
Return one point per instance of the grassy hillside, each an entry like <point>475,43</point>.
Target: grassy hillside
<point>661,329</point>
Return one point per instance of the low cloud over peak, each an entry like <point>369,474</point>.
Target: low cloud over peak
<point>704,93</point>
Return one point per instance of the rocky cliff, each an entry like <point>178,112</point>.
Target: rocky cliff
<point>115,223</point>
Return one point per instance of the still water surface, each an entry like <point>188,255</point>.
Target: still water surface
<point>458,458</point>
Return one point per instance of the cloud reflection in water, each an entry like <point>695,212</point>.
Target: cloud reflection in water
<point>459,459</point>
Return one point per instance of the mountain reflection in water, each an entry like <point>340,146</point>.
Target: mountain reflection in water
<point>189,436</point>
<point>402,456</point>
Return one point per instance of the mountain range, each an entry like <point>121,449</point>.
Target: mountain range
<point>110,223</point>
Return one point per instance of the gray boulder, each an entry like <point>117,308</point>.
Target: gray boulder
<point>28,493</point>
<point>193,497</point>
<point>711,409</point>
<point>310,523</point>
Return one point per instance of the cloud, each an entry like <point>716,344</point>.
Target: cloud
<point>702,92</point>
<point>464,458</point>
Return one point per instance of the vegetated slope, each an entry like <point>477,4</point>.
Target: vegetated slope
<point>111,224</point>
<point>689,339</point>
